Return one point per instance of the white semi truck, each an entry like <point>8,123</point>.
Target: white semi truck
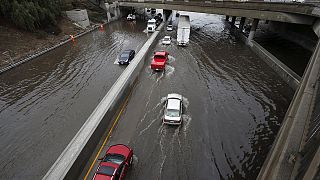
<point>183,32</point>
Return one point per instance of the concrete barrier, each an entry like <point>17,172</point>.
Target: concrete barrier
<point>75,156</point>
<point>286,74</point>
<point>80,16</point>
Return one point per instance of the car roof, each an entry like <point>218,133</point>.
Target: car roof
<point>173,104</point>
<point>119,149</point>
<point>174,95</point>
<point>160,53</point>
<point>127,51</point>
<point>167,37</point>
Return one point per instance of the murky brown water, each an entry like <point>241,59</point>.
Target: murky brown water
<point>45,102</point>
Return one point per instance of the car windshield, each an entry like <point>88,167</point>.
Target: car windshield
<point>173,113</point>
<point>159,58</point>
<point>166,39</point>
<point>169,26</point>
<point>106,170</point>
<point>114,158</point>
<point>124,55</point>
<point>151,23</point>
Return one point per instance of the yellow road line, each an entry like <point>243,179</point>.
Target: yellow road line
<point>107,138</point>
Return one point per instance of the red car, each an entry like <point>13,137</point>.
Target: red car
<point>115,163</point>
<point>159,60</point>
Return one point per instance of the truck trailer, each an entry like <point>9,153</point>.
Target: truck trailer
<point>183,31</point>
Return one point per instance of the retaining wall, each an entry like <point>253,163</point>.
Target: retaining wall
<point>75,156</point>
<point>286,74</point>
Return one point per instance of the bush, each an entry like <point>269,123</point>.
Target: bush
<point>31,14</point>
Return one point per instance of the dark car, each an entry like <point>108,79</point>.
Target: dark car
<point>115,163</point>
<point>126,56</point>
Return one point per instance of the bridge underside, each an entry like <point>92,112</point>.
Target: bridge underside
<point>249,13</point>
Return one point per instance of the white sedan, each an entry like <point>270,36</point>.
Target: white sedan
<point>173,110</point>
<point>166,40</point>
<point>169,27</point>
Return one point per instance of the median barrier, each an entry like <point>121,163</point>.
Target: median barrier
<point>73,159</point>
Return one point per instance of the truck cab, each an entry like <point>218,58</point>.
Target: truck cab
<point>159,60</point>
<point>151,27</point>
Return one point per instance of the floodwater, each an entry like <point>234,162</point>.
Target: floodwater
<point>43,103</point>
<point>234,104</point>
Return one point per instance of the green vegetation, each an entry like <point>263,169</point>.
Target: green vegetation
<point>31,14</point>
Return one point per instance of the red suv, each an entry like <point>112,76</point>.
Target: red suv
<point>115,163</point>
<point>159,60</point>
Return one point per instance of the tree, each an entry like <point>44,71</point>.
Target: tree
<point>31,14</point>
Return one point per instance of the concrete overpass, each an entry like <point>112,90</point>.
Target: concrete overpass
<point>300,13</point>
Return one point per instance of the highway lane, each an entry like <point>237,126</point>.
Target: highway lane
<point>43,103</point>
<point>234,104</point>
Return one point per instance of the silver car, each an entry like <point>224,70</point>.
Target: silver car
<point>173,110</point>
<point>166,40</point>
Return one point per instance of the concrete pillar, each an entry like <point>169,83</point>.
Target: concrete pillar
<point>233,20</point>
<point>253,29</point>
<point>108,16</point>
<point>115,12</point>
<point>242,21</point>
<point>118,10</point>
<point>316,28</point>
<point>227,18</point>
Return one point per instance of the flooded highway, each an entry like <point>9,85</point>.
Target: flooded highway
<point>233,102</point>
<point>43,103</point>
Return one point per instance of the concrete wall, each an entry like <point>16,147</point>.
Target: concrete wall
<point>286,74</point>
<point>80,16</point>
<point>300,34</point>
<point>73,159</point>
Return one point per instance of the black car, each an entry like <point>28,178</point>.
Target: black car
<point>126,56</point>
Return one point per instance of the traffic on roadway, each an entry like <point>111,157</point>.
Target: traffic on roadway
<point>212,112</point>
<point>44,102</point>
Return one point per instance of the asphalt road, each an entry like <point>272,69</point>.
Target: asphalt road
<point>233,107</point>
<point>43,103</point>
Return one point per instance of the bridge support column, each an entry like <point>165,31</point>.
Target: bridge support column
<point>227,18</point>
<point>253,30</point>
<point>316,27</point>
<point>233,20</point>
<point>242,21</point>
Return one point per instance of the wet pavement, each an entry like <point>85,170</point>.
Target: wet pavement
<point>45,102</point>
<point>233,107</point>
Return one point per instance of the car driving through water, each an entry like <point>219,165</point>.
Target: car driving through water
<point>115,163</point>
<point>126,56</point>
<point>173,109</point>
